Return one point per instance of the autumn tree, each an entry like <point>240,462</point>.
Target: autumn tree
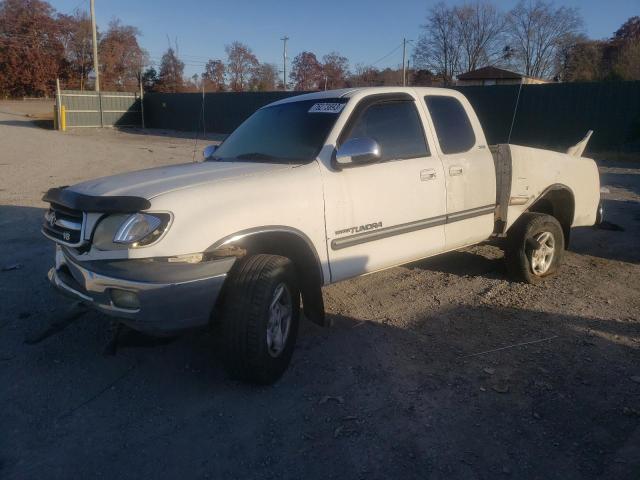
<point>582,61</point>
<point>306,72</point>
<point>538,31</point>
<point>265,78</point>
<point>241,66</point>
<point>121,57</point>
<point>31,51</point>
<point>617,58</point>
<point>623,53</point>
<point>170,78</point>
<point>213,76</point>
<point>335,69</point>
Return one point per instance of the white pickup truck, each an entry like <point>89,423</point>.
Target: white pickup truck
<point>308,191</point>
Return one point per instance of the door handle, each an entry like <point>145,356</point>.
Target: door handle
<point>455,170</point>
<point>427,174</point>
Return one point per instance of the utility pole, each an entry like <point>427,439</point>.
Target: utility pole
<point>95,45</point>
<point>404,62</point>
<point>284,62</point>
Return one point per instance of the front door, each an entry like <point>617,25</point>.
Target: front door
<point>392,211</point>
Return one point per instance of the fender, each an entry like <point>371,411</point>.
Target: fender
<point>242,234</point>
<point>310,286</point>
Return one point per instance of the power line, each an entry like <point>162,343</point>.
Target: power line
<point>76,7</point>
<point>387,55</point>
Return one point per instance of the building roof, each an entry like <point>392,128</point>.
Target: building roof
<point>490,73</point>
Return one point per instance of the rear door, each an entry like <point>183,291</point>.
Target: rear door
<point>468,169</point>
<point>390,212</point>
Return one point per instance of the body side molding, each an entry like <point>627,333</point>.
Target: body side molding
<point>359,238</point>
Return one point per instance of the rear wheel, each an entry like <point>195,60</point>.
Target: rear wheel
<point>535,247</point>
<point>259,318</point>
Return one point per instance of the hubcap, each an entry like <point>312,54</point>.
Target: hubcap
<point>279,323</point>
<point>542,256</point>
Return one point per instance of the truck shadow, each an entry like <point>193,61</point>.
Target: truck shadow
<point>451,385</point>
<point>470,262</point>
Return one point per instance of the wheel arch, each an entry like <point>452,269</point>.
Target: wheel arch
<point>557,200</point>
<point>291,243</point>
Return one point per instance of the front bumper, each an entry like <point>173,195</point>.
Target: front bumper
<point>170,296</point>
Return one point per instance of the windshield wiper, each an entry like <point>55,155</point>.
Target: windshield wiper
<point>258,156</point>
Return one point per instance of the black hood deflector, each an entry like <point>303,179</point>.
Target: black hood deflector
<point>99,204</point>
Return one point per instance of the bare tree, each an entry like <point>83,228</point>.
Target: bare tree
<point>438,49</point>
<point>213,76</point>
<point>241,66</point>
<point>364,76</point>
<point>480,29</point>
<point>306,71</point>
<point>537,32</point>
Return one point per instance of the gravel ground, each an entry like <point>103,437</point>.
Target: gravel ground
<point>422,375</point>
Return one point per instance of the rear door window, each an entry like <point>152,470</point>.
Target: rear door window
<point>453,128</point>
<point>397,128</point>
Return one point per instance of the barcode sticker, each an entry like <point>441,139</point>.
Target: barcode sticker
<point>327,108</point>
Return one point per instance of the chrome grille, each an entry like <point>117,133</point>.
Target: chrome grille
<point>64,225</point>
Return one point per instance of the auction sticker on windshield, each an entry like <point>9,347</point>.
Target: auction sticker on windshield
<point>326,108</point>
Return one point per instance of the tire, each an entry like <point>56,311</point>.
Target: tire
<point>534,248</point>
<point>254,348</point>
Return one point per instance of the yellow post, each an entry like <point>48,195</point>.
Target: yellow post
<point>63,118</point>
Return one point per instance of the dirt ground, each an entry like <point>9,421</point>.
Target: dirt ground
<point>422,375</point>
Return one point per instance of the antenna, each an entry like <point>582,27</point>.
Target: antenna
<point>515,110</point>
<point>195,143</point>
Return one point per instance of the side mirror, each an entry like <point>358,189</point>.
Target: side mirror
<point>208,151</point>
<point>358,151</point>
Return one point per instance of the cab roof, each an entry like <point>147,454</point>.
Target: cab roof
<point>361,91</point>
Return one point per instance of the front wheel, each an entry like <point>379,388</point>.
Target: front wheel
<point>535,247</point>
<point>259,318</point>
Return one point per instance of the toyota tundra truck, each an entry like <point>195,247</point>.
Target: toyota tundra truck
<point>308,191</point>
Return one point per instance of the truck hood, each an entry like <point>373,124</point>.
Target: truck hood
<point>152,182</point>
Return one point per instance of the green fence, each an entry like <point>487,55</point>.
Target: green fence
<point>558,115</point>
<point>83,108</point>
<point>223,111</point>
<point>551,115</point>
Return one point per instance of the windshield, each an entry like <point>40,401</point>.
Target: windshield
<point>289,132</point>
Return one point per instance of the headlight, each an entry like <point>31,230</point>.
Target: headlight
<point>121,231</point>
